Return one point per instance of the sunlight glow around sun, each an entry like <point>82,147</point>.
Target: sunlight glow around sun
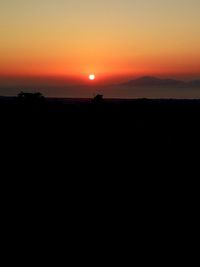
<point>92,77</point>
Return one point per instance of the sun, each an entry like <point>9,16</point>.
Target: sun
<point>92,77</point>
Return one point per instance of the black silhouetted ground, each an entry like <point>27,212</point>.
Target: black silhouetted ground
<point>126,137</point>
<point>120,124</point>
<point>81,168</point>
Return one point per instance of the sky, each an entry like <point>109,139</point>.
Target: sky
<point>110,38</point>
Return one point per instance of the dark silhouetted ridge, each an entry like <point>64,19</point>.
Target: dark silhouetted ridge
<point>195,83</point>
<point>153,81</point>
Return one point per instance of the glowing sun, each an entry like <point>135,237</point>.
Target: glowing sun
<point>92,77</point>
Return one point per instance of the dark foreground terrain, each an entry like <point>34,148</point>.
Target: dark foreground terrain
<point>82,171</point>
<point>108,133</point>
<point>109,129</point>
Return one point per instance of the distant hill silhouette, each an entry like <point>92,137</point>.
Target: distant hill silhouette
<point>195,83</point>
<point>153,81</point>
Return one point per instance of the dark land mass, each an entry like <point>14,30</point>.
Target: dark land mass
<point>81,167</point>
<point>108,133</point>
<point>154,81</point>
<point>111,123</point>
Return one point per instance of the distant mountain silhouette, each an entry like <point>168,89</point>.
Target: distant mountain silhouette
<point>195,83</point>
<point>153,81</point>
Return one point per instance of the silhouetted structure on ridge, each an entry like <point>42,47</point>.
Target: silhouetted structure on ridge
<point>31,100</point>
<point>31,96</point>
<point>98,100</point>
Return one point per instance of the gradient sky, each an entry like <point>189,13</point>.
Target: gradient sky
<point>105,37</point>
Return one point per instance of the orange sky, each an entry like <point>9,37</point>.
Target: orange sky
<point>109,38</point>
